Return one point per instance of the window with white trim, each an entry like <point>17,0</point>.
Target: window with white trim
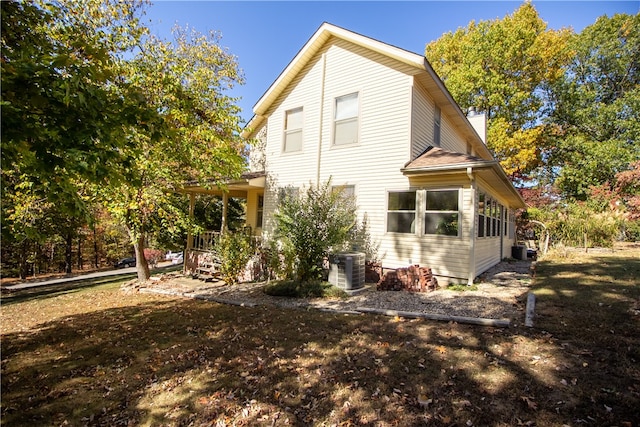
<point>441,213</point>
<point>347,192</point>
<point>292,131</point>
<point>260,211</point>
<point>345,123</point>
<point>481,217</point>
<point>437,120</point>
<point>424,212</point>
<point>401,211</point>
<point>492,217</point>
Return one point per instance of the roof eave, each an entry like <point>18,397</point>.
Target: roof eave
<point>515,197</point>
<point>454,167</point>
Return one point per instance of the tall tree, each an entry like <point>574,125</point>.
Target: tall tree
<point>89,99</point>
<point>501,68</point>
<point>596,106</point>
<point>63,109</point>
<point>62,113</point>
<point>186,81</point>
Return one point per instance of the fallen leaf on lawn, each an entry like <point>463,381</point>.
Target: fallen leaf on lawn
<point>442,349</point>
<point>530,402</point>
<point>424,401</point>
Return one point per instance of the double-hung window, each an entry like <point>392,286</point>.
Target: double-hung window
<point>293,130</point>
<point>345,124</point>
<point>401,211</point>
<point>441,214</point>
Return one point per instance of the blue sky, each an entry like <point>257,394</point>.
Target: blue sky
<point>266,35</point>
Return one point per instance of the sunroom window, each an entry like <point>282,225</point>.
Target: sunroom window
<point>401,211</point>
<point>481,216</point>
<point>441,215</point>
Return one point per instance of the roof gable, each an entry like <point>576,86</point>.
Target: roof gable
<point>424,73</point>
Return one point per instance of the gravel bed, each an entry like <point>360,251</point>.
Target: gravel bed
<point>501,294</point>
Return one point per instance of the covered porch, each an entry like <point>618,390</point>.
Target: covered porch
<point>199,255</point>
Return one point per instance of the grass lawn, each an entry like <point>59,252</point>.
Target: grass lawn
<point>97,356</point>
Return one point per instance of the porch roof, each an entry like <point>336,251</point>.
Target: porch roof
<point>436,161</point>
<point>233,188</point>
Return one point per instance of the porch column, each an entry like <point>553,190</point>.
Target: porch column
<point>225,205</point>
<point>192,204</point>
<point>189,248</point>
<point>472,231</point>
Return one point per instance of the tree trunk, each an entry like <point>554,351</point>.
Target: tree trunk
<point>80,261</point>
<point>68,254</point>
<point>142,267</point>
<point>96,263</point>
<point>24,271</point>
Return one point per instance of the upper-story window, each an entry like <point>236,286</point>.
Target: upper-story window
<point>345,125</point>
<point>293,130</point>
<point>436,126</point>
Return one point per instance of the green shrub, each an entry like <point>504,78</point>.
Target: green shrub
<point>234,251</point>
<point>313,223</point>
<point>307,289</point>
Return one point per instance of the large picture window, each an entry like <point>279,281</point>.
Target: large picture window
<point>401,212</point>
<point>441,215</point>
<point>293,131</point>
<point>345,126</point>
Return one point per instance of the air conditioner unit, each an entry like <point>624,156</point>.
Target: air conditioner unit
<point>346,270</point>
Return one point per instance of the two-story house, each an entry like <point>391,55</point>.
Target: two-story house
<point>379,122</point>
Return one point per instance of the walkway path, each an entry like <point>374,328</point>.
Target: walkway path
<point>121,272</point>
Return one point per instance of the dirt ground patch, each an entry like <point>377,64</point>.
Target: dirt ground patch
<point>97,356</point>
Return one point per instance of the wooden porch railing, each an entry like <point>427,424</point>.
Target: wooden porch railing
<point>205,241</point>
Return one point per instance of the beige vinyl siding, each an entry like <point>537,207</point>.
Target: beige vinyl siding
<point>384,93</point>
<point>383,146</point>
<point>286,168</point>
<point>422,117</point>
<point>384,97</point>
<point>389,135</point>
<point>487,254</point>
<point>448,256</point>
<point>421,121</point>
<point>450,139</point>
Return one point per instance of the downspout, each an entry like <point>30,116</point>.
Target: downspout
<point>472,231</point>
<point>324,69</point>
